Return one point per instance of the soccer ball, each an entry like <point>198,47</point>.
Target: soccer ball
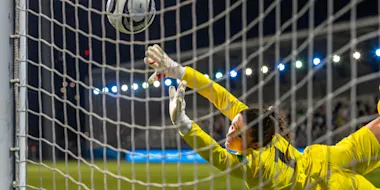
<point>131,16</point>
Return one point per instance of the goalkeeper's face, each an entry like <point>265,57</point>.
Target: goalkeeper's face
<point>238,137</point>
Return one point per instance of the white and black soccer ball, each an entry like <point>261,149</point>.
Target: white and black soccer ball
<point>131,16</point>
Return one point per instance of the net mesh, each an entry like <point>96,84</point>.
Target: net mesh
<point>93,122</point>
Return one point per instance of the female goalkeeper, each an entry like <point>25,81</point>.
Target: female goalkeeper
<point>278,163</point>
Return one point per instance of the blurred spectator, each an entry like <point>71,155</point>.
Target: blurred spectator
<point>219,126</point>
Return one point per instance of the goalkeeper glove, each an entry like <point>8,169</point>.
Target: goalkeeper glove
<point>163,65</point>
<point>177,107</point>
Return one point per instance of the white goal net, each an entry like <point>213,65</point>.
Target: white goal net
<point>86,118</point>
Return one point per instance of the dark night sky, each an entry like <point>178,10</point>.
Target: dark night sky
<point>366,8</point>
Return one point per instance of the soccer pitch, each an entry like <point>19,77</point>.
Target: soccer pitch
<point>42,177</point>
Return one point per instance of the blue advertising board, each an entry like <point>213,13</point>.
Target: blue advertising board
<point>168,156</point>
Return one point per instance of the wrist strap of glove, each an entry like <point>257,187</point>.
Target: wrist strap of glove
<point>184,124</point>
<point>176,70</point>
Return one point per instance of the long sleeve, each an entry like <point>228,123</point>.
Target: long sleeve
<point>228,104</point>
<point>219,157</point>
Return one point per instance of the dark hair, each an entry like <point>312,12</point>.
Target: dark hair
<point>268,124</point>
<point>269,127</point>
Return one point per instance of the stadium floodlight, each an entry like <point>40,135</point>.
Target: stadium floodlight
<point>124,87</point>
<point>207,76</point>
<point>264,69</point>
<point>233,73</point>
<point>156,83</point>
<point>168,82</point>
<point>96,91</point>
<point>299,64</point>
<point>178,81</point>
<point>145,85</point>
<point>378,52</point>
<point>316,61</point>
<point>336,58</point>
<point>218,75</point>
<point>114,89</point>
<point>135,86</point>
<point>248,71</point>
<point>281,66</point>
<point>105,89</point>
<point>356,55</point>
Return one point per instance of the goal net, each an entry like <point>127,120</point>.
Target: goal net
<point>88,120</point>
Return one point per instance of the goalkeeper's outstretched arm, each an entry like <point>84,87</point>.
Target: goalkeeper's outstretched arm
<point>206,146</point>
<point>164,66</point>
<point>223,100</point>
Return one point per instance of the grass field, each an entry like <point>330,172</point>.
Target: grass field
<point>42,177</point>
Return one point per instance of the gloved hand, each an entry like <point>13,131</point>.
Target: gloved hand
<point>177,107</point>
<point>163,65</point>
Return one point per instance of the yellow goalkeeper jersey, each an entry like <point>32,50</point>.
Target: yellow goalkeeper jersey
<point>268,167</point>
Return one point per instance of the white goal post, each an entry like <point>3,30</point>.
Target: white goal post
<point>85,118</point>
<point>8,75</point>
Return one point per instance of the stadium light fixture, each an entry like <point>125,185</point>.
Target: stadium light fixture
<point>114,89</point>
<point>281,66</point>
<point>316,61</point>
<point>135,86</point>
<point>86,52</point>
<point>168,82</point>
<point>145,85</point>
<point>96,91</point>
<point>178,81</point>
<point>378,52</point>
<point>218,75</point>
<point>156,83</point>
<point>299,64</point>
<point>356,55</point>
<point>124,87</point>
<point>233,73</point>
<point>248,71</point>
<point>105,89</point>
<point>207,76</point>
<point>264,69</point>
<point>336,58</point>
